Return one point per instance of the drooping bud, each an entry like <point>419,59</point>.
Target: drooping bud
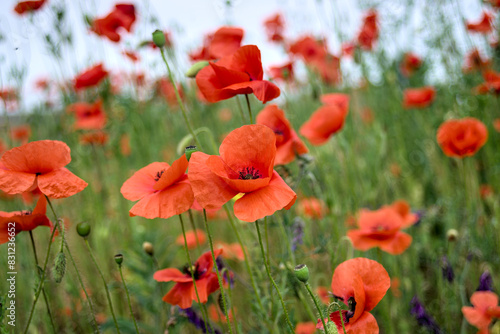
<point>195,68</point>
<point>220,301</point>
<point>189,151</point>
<point>83,229</point>
<point>452,235</point>
<point>119,259</point>
<point>302,273</point>
<point>59,268</point>
<point>148,248</point>
<point>159,38</point>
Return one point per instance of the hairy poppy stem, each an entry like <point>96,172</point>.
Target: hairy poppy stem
<point>128,298</point>
<point>179,100</point>
<point>271,278</point>
<point>38,269</point>
<point>193,226</point>
<point>105,285</point>
<point>204,312</point>
<point>249,109</point>
<point>219,277</point>
<point>308,287</point>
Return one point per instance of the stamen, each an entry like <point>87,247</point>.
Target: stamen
<point>249,173</point>
<point>159,174</point>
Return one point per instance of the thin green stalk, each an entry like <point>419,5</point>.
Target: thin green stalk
<point>43,290</point>
<point>203,308</point>
<point>128,298</point>
<point>266,234</point>
<point>105,285</point>
<point>308,287</point>
<point>249,109</point>
<point>219,277</point>
<point>290,326</point>
<point>240,109</point>
<point>193,226</point>
<point>179,101</point>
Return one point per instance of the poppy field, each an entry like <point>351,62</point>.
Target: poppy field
<point>352,189</point>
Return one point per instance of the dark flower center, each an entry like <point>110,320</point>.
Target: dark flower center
<point>159,174</point>
<point>194,269</point>
<point>249,173</point>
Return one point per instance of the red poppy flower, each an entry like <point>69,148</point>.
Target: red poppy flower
<point>305,328</point>
<point>327,120</point>
<point>88,116</point>
<point>8,94</point>
<point>491,84</point>
<point>122,16</point>
<point>328,68</point>
<point>283,73</point>
<point>483,26</point>
<point>39,164</point>
<point>90,77</point>
<point>231,251</point>
<point>21,133</point>
<point>361,284</point>
<point>216,314</point>
<point>462,137</point>
<point>311,207</point>
<point>239,73</point>
<point>224,42</point>
<point>496,125</point>
<point>368,34</point>
<point>28,6</point>
<point>94,138</point>
<point>162,190</point>
<point>166,89</point>
<point>23,220</point>
<point>183,292</point>
<point>288,144</point>
<point>275,26</point>
<point>348,49</point>
<point>381,228</point>
<point>475,62</point>
<point>485,308</point>
<point>193,238</point>
<point>133,56</point>
<point>418,97</point>
<point>411,62</point>
<point>309,49</point>
<point>245,165</point>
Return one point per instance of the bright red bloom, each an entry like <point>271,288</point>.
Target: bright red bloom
<point>411,62</point>
<point>224,42</point>
<point>183,292</point>
<point>327,120</point>
<point>483,26</point>
<point>39,164</point>
<point>21,133</point>
<point>485,308</point>
<point>283,73</point>
<point>275,26</point>
<point>309,49</point>
<point>162,190</point>
<point>231,251</point>
<point>90,77</point>
<point>94,138</point>
<point>311,207</point>
<point>193,238</point>
<point>239,73</point>
<point>418,97</point>
<point>29,6</point>
<point>475,62</point>
<point>348,49</point>
<point>122,16</point>
<point>245,165</point>
<point>88,116</point>
<point>381,228</point>
<point>8,94</point>
<point>491,84</point>
<point>305,328</point>
<point>368,34</point>
<point>288,144</point>
<point>328,68</point>
<point>462,137</point>
<point>23,220</point>
<point>361,284</point>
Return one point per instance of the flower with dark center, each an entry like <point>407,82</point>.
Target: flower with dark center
<point>249,173</point>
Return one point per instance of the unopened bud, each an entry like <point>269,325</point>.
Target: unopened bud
<point>159,38</point>
<point>195,68</point>
<point>452,235</point>
<point>83,229</point>
<point>119,259</point>
<point>190,150</point>
<point>148,248</point>
<point>302,273</point>
<point>59,268</point>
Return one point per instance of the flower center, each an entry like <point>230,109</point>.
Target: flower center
<point>249,173</point>
<point>194,270</point>
<point>159,174</point>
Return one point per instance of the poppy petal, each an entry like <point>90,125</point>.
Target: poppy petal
<point>13,182</point>
<point>366,323</point>
<point>180,295</point>
<point>396,245</point>
<point>172,174</point>
<point>263,90</point>
<point>265,201</point>
<point>323,123</point>
<point>143,181</point>
<point>171,274</point>
<point>247,59</point>
<point>60,183</point>
<point>475,317</point>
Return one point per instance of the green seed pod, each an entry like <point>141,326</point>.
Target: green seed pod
<point>193,70</point>
<point>119,259</point>
<point>83,229</point>
<point>59,268</point>
<point>159,38</point>
<point>302,273</point>
<point>331,328</point>
<point>190,150</point>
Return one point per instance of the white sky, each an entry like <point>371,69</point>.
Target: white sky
<point>189,20</point>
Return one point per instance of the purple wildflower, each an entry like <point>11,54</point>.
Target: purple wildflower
<point>447,269</point>
<point>423,318</point>
<point>485,282</point>
<point>297,232</point>
<point>197,321</point>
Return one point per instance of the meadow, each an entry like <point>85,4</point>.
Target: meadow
<point>386,186</point>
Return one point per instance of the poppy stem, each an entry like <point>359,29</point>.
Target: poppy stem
<point>193,226</point>
<point>267,240</point>
<point>308,287</point>
<point>249,109</point>
<point>105,285</point>
<point>38,269</point>
<point>240,108</point>
<point>128,298</point>
<point>271,278</point>
<point>219,277</point>
<point>203,308</point>
<point>179,101</point>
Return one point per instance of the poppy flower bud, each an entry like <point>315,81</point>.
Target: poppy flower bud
<point>220,302</point>
<point>302,273</point>
<point>59,268</point>
<point>452,235</point>
<point>159,38</point>
<point>190,150</point>
<point>193,70</point>
<point>83,229</point>
<point>119,259</point>
<point>148,248</point>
